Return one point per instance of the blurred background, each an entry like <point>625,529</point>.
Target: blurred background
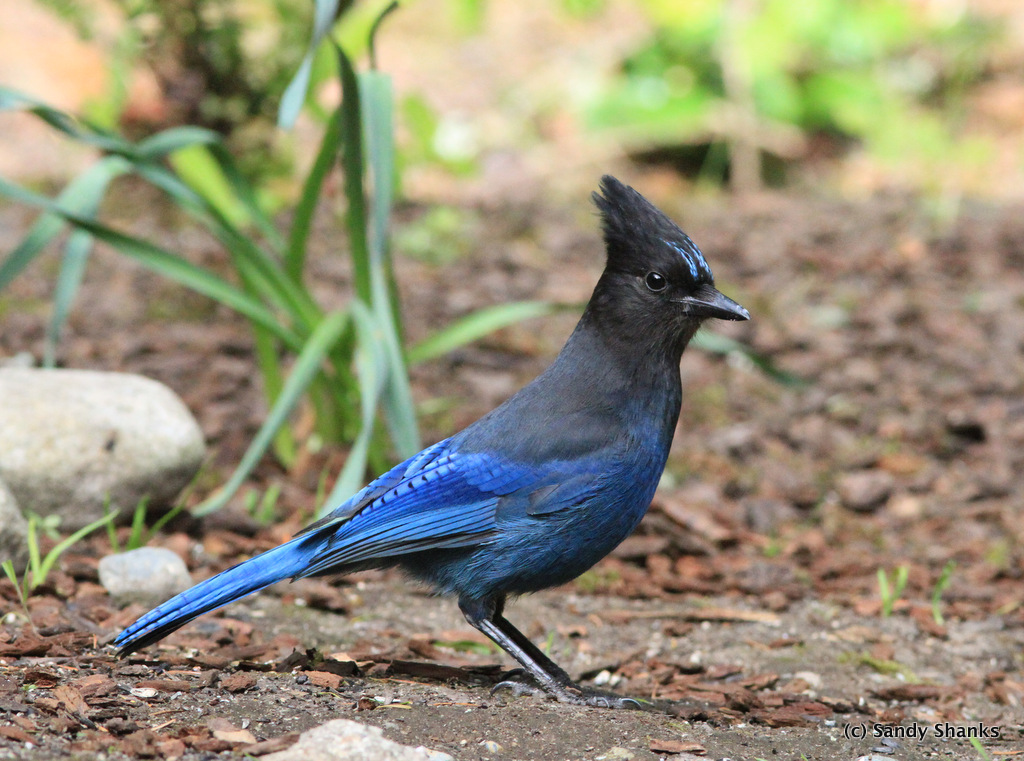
<point>850,98</point>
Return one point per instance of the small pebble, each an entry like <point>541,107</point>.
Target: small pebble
<point>148,575</point>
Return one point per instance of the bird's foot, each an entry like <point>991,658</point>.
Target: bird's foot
<point>518,689</point>
<point>521,683</point>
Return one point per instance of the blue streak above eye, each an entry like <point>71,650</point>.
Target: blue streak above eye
<point>692,256</point>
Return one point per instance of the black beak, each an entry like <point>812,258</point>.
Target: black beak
<point>710,302</point>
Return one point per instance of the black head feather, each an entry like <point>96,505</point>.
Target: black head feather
<point>639,237</point>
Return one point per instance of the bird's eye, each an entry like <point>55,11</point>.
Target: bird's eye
<point>656,281</point>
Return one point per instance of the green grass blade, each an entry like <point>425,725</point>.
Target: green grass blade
<point>399,408</point>
<point>85,198</point>
<point>84,192</point>
<point>260,270</point>
<point>719,344</point>
<point>163,262</point>
<point>231,236</point>
<point>162,144</point>
<point>400,412</point>
<point>268,359</point>
<point>354,176</point>
<point>12,576</point>
<point>12,100</point>
<point>307,366</point>
<point>302,222</point>
<point>44,230</point>
<point>371,367</point>
<point>196,166</point>
<point>76,255</point>
<point>478,324</point>
<point>53,555</point>
<point>377,126</point>
<point>137,536</point>
<point>115,545</point>
<point>326,11</point>
<point>34,560</point>
<point>372,36</point>
<point>20,587</point>
<point>244,192</point>
<point>256,267</point>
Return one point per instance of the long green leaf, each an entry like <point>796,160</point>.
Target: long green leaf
<point>168,141</point>
<point>302,221</point>
<point>258,268</point>
<point>269,361</point>
<point>307,366</point>
<point>326,11</point>
<point>353,167</point>
<point>378,129</point>
<point>196,166</point>
<point>76,255</point>
<point>719,344</point>
<point>478,324</point>
<point>12,100</point>
<point>162,261</point>
<point>375,97</point>
<point>82,192</point>
<point>372,36</point>
<point>245,193</point>
<point>43,230</point>
<point>86,201</point>
<point>53,555</point>
<point>371,368</point>
<point>399,409</point>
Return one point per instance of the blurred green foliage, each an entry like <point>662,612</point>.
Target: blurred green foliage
<point>889,74</point>
<point>220,63</point>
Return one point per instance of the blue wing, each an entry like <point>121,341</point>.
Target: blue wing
<point>439,499</point>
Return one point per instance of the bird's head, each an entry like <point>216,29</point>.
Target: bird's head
<point>654,270</point>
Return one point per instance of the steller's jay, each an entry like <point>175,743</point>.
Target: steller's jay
<point>538,490</point>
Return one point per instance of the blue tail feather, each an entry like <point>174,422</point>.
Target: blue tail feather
<point>236,582</point>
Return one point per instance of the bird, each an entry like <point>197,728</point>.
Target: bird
<point>539,489</point>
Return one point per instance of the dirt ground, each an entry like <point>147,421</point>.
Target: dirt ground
<point>746,607</point>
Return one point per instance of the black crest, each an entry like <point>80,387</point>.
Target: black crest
<point>640,237</point>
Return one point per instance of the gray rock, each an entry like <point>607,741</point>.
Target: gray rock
<point>71,438</point>
<point>865,490</point>
<point>148,575</point>
<point>344,740</point>
<point>13,530</point>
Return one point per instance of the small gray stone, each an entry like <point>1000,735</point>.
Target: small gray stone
<point>344,740</point>
<point>21,359</point>
<point>740,441</point>
<point>865,490</point>
<point>765,516</point>
<point>71,439</point>
<point>13,530</point>
<point>148,575</point>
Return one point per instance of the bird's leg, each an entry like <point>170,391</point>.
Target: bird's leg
<point>486,616</point>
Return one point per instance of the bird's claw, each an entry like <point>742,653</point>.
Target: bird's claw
<point>569,693</point>
<point>518,689</point>
<point>600,700</point>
